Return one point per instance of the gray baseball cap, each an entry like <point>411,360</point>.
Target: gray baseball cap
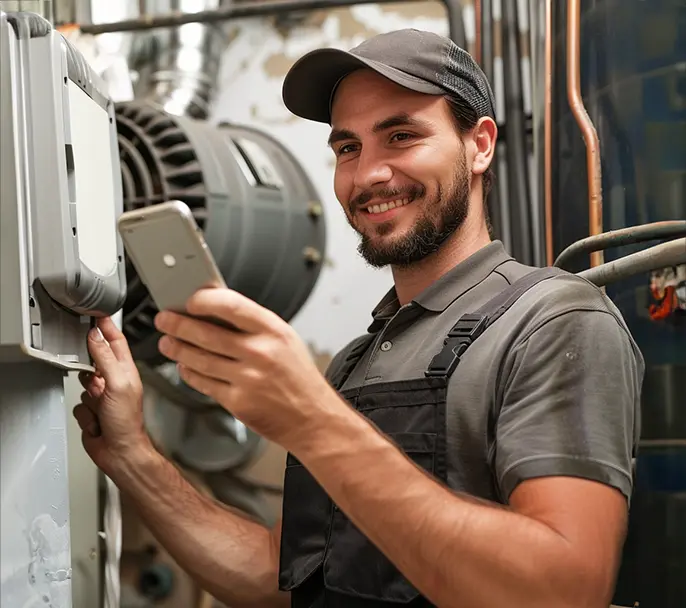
<point>421,61</point>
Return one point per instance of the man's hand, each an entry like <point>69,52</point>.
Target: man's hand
<point>111,413</point>
<point>261,372</point>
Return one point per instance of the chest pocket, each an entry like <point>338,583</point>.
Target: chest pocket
<point>412,415</point>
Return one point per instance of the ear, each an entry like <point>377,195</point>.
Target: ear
<point>484,134</point>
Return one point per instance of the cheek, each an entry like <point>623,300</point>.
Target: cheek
<point>343,187</point>
<point>426,167</point>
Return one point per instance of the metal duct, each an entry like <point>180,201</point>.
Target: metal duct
<point>178,67</point>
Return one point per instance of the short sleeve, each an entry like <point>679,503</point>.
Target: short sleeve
<point>570,403</point>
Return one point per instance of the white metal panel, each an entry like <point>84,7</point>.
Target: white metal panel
<point>35,561</point>
<point>84,502</point>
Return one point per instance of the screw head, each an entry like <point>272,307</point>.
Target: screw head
<point>312,256</point>
<point>315,209</point>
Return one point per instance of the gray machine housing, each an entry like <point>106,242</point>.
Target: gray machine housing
<point>51,289</point>
<point>259,211</point>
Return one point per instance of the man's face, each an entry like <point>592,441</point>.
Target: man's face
<point>401,168</point>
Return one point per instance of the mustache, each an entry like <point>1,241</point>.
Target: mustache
<point>411,192</point>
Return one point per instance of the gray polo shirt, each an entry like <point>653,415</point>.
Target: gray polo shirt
<point>551,388</point>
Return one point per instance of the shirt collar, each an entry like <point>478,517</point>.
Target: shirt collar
<point>443,292</point>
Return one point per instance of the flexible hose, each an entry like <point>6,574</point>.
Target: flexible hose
<point>113,540</point>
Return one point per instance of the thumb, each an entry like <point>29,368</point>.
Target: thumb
<point>102,354</point>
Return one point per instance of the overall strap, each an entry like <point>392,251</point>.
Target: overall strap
<point>472,325</point>
<point>357,349</point>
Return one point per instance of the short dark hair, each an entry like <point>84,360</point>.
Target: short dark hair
<point>465,118</point>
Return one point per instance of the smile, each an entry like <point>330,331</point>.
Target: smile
<point>383,207</point>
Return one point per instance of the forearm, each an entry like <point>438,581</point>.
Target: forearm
<point>455,550</point>
<point>230,556</point>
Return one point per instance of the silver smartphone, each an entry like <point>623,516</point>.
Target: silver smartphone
<point>167,249</point>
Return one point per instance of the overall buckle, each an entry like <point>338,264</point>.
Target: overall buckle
<point>460,337</point>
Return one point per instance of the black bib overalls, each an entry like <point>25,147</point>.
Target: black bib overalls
<point>325,560</point>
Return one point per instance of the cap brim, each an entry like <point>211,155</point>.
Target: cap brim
<point>309,85</point>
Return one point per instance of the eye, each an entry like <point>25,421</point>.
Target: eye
<point>346,149</point>
<point>401,136</point>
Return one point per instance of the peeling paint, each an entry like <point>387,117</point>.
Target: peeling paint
<point>349,26</point>
<point>277,66</point>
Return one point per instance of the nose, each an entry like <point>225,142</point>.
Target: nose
<point>372,169</point>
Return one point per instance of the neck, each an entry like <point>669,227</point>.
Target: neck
<point>410,281</point>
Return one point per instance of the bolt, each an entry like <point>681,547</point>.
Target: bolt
<point>312,256</point>
<point>315,209</point>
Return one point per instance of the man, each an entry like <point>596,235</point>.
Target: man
<point>497,477</point>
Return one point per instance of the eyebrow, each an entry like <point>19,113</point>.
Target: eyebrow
<point>397,120</point>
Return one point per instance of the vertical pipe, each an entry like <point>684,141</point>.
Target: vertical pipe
<point>548,133</point>
<point>595,196</point>
<point>486,39</point>
<point>477,32</point>
<point>70,12</point>
<point>496,201</point>
<point>515,138</point>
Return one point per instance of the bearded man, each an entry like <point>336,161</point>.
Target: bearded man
<point>473,449</point>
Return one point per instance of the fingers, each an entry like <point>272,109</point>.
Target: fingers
<point>117,340</point>
<point>102,354</point>
<point>203,334</point>
<point>94,384</point>
<point>214,389</point>
<point>87,420</point>
<point>109,348</point>
<point>232,307</point>
<point>198,360</point>
<point>90,404</point>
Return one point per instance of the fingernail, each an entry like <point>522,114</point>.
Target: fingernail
<point>96,334</point>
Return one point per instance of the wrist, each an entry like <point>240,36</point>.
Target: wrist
<point>334,430</point>
<point>137,461</point>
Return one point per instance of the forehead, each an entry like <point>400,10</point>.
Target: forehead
<point>364,98</point>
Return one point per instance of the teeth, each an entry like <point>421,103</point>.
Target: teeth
<point>388,206</point>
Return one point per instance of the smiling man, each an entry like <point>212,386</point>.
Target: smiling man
<point>413,132</point>
<point>473,449</point>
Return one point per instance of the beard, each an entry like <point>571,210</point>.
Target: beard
<point>441,217</point>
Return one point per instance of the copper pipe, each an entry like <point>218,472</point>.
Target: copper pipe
<point>477,31</point>
<point>548,132</point>
<point>576,103</point>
